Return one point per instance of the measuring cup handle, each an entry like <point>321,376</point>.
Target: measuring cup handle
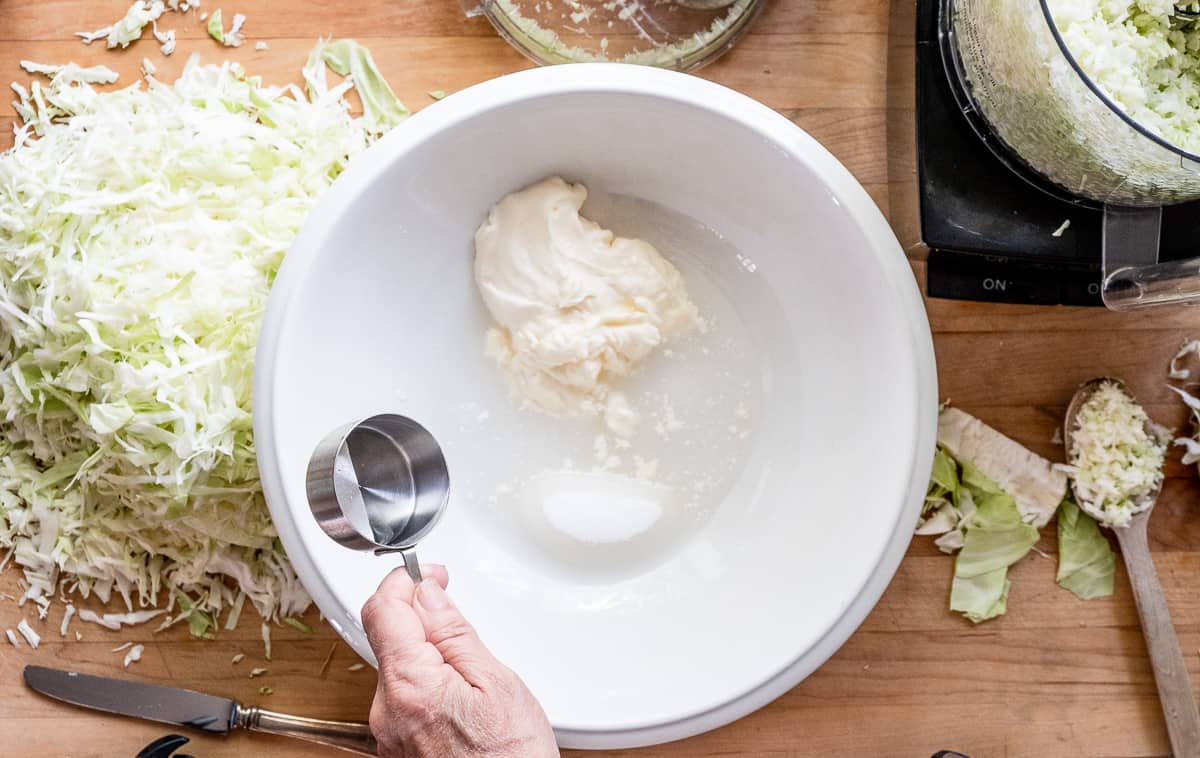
<point>1133,277</point>
<point>412,565</point>
<point>1133,287</point>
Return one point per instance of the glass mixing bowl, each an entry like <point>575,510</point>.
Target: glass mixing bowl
<point>676,34</point>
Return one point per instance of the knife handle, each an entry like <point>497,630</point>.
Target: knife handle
<point>352,736</point>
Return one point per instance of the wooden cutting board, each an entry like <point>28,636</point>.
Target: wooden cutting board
<point>1055,677</point>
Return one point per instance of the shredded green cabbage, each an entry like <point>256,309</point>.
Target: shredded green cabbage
<point>216,29</point>
<point>382,110</point>
<point>140,232</point>
<point>1178,372</point>
<point>1143,56</point>
<point>1086,562</point>
<point>298,625</point>
<point>128,29</point>
<point>973,516</point>
<point>1116,456</point>
<point>980,597</point>
<point>995,539</point>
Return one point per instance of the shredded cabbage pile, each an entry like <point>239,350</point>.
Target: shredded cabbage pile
<point>140,232</point>
<point>1116,456</point>
<point>983,523</point>
<point>986,529</point>
<point>1142,58</point>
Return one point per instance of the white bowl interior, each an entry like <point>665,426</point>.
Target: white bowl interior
<point>817,385</point>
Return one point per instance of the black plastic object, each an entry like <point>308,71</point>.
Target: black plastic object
<point>991,222</point>
<point>948,754</point>
<point>165,747</point>
<point>965,276</point>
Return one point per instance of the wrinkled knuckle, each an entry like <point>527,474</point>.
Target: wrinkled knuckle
<point>453,630</point>
<point>499,681</point>
<point>391,668</point>
<point>397,692</point>
<point>413,700</point>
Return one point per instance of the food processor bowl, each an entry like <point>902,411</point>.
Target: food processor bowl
<point>1023,80</point>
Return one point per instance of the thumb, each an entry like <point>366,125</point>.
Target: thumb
<point>454,637</point>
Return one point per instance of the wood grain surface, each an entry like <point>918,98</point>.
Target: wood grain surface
<point>1054,677</point>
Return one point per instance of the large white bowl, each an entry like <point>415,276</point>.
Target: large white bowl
<point>375,310</point>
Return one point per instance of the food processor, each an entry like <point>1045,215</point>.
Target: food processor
<point>1034,185</point>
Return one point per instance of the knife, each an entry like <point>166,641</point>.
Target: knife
<point>209,713</point>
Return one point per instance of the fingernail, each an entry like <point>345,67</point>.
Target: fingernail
<point>431,596</point>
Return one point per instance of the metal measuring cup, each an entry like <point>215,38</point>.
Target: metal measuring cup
<point>379,484</point>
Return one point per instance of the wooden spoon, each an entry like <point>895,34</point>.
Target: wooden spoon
<point>1170,671</point>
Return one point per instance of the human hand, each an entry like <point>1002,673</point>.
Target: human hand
<point>441,693</point>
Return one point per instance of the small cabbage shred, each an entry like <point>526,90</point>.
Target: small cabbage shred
<point>1143,57</point>
<point>1116,456</point>
<point>128,29</point>
<point>1179,372</point>
<point>140,232</point>
<point>231,38</point>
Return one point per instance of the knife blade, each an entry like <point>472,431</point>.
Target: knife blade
<point>175,705</point>
<point>155,702</point>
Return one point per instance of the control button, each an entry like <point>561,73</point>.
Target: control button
<point>992,280</point>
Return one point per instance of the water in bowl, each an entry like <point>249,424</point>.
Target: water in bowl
<point>584,505</point>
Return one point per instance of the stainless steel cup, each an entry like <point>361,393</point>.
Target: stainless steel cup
<point>379,484</point>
